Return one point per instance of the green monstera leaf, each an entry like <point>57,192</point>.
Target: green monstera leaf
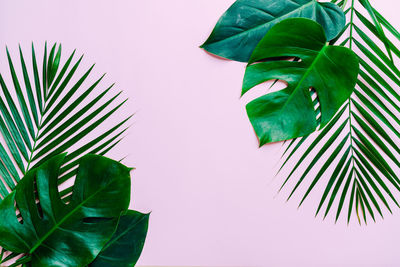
<point>355,158</point>
<point>126,245</point>
<point>55,233</point>
<point>329,70</point>
<point>246,22</point>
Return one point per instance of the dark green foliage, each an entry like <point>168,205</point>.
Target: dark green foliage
<point>246,22</point>
<point>125,246</point>
<point>52,115</point>
<point>55,233</point>
<point>290,113</point>
<point>356,154</point>
<point>362,172</point>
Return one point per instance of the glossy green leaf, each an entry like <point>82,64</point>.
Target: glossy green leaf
<point>367,5</point>
<point>334,176</point>
<point>20,96</point>
<point>15,114</point>
<point>55,108</point>
<point>37,80</point>
<point>289,113</point>
<point>29,90</point>
<point>246,22</point>
<point>372,115</point>
<point>48,106</point>
<point>338,184</point>
<point>125,246</point>
<point>58,234</point>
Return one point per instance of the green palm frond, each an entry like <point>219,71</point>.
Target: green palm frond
<point>356,155</point>
<point>52,112</point>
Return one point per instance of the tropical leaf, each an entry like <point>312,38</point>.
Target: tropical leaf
<point>290,112</point>
<point>362,167</point>
<point>52,116</point>
<point>246,22</point>
<point>126,245</point>
<point>55,233</point>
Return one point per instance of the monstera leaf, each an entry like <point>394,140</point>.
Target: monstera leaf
<point>355,158</point>
<point>246,22</point>
<point>329,70</point>
<point>126,245</point>
<point>55,233</point>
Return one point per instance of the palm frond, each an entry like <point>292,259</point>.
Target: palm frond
<point>356,154</point>
<point>50,115</point>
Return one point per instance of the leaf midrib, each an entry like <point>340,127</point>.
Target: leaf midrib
<point>68,215</point>
<point>42,114</point>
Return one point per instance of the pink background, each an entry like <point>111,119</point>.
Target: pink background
<point>212,192</point>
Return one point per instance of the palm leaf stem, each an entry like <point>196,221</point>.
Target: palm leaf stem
<point>357,172</point>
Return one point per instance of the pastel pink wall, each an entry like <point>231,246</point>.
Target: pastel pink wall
<point>211,191</point>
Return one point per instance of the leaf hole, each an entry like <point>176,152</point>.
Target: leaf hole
<point>66,184</point>
<point>67,198</point>
<point>37,201</point>
<point>18,213</point>
<point>95,220</point>
<point>316,105</point>
<point>282,58</point>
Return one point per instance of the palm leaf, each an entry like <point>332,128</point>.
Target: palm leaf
<point>360,157</point>
<point>50,114</point>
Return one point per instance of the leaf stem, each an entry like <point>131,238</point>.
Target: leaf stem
<point>351,24</point>
<point>34,144</point>
<point>350,104</point>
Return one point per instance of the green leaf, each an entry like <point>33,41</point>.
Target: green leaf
<point>20,96</point>
<point>125,246</point>
<point>328,162</point>
<point>82,149</point>
<point>61,74</point>
<point>373,185</point>
<point>363,201</point>
<point>325,147</point>
<point>316,141</point>
<point>37,80</point>
<point>70,108</point>
<point>9,164</point>
<point>65,82</point>
<point>59,234</point>
<point>246,22</point>
<point>373,121</point>
<point>56,108</point>
<point>44,73</point>
<point>11,146</point>
<point>15,113</point>
<point>336,189</point>
<point>334,176</point>
<point>75,132</point>
<point>289,113</point>
<point>53,63</point>
<point>351,201</point>
<point>29,90</point>
<point>367,5</point>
